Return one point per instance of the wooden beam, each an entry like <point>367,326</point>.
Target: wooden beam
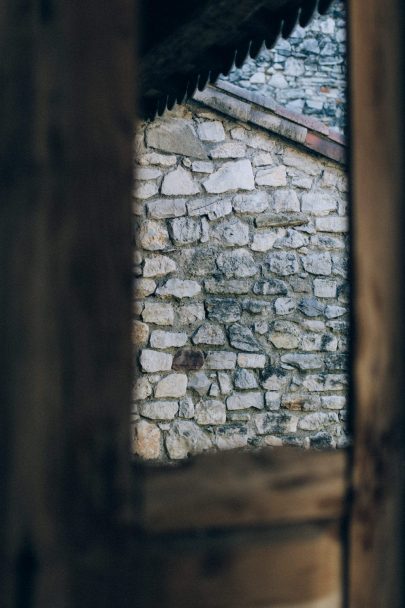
<point>67,106</point>
<point>377,85</point>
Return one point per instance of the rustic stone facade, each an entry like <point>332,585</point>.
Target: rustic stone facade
<point>307,72</point>
<point>241,295</point>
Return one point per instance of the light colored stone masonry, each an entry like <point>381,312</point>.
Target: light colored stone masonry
<point>241,296</point>
<point>307,72</point>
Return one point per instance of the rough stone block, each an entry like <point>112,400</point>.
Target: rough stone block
<point>176,136</point>
<point>223,310</point>
<point>159,410</point>
<point>237,264</point>
<point>275,422</point>
<point>210,411</point>
<point>158,313</point>
<point>167,339</point>
<point>236,175</point>
<point>229,150</point>
<point>187,360</point>
<point>178,288</point>
<point>317,263</point>
<point>254,203</point>
<point>209,334</point>
<point>147,440</point>
<point>158,266</point>
<point>242,338</point>
<point>179,182</point>
<point>153,236</point>
<point>185,438</point>
<point>155,361</point>
<point>220,359</point>
<point>185,230</point>
<point>214,208</point>
<point>166,208</point>
<point>245,400</point>
<point>211,130</point>
<point>272,176</point>
<point>231,232</point>
<point>173,385</point>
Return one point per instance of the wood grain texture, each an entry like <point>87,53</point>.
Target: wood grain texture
<point>283,567</point>
<point>67,105</point>
<point>233,489</point>
<point>377,104</point>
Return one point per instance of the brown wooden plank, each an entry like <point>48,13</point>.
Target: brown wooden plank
<point>377,74</point>
<point>67,105</point>
<point>285,567</point>
<point>245,488</point>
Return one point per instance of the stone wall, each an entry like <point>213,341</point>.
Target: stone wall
<point>241,298</point>
<point>307,72</point>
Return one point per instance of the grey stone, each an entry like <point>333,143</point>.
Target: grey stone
<point>225,383</point>
<point>186,408</point>
<point>155,361</point>
<point>334,402</point>
<point>274,220</point>
<point>159,410</point>
<point>272,400</point>
<point>275,422</point>
<point>202,166</point>
<point>185,230</point>
<point>282,263</point>
<point>293,240</point>
<point>147,173</point>
<point>251,361</point>
<point>191,313</point>
<point>284,306</point>
<point>263,241</point>
<point>311,307</point>
<point>179,288</point>
<point>274,378</point>
<point>147,440</point>
<point>220,359</point>
<point>301,402</point>
<point>322,440</point>
<point>333,311</point>
<point>153,236</point>
<point>270,287</point>
<point>210,411</point>
<point>237,264</point>
<point>142,389</point>
<point>211,131</point>
<point>166,208</point>
<point>325,382</point>
<point>245,379</point>
<point>231,436</point>
<point>223,310</point>
<point>173,385</point>
<point>236,175</point>
<point>303,361</point>
<point>229,150</point>
<point>140,333</point>
<point>317,420</point>
<point>332,224</point>
<point>254,203</point>
<point>272,176</point>
<point>325,288</point>
<point>242,338</point>
<point>199,382</point>
<point>154,158</point>
<point>167,339</point>
<point>186,438</point>
<point>209,334</point>
<point>286,200</point>
<point>214,208</point>
<point>317,263</point>
<point>158,313</point>
<point>176,136</point>
<point>144,190</point>
<point>158,266</point>
<point>179,182</point>
<point>231,232</point>
<point>318,203</point>
<point>144,287</point>
<point>245,400</point>
<point>233,286</point>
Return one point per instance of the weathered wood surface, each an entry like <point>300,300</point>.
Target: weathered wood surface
<point>67,107</point>
<point>377,85</point>
<point>284,567</point>
<point>233,489</point>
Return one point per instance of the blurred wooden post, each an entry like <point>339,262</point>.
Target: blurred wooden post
<point>67,108</point>
<point>377,102</point>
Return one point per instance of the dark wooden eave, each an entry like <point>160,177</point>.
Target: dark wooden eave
<point>186,45</point>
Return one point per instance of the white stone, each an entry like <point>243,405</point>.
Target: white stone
<point>186,408</point>
<point>144,287</point>
<point>236,175</point>
<point>220,359</point>
<point>163,208</point>
<point>229,150</point>
<point>154,158</point>
<point>185,230</point>
<point>283,263</point>
<point>147,440</point>
<point>264,241</point>
<point>334,402</point>
<point>284,306</point>
<point>179,288</point>
<point>159,410</point>
<point>284,340</point>
<point>251,361</point>
<point>318,203</point>
<point>231,232</point>
<point>317,263</point>
<point>302,162</point>
<point>286,200</point>
<point>225,383</point>
<point>173,385</point>
<point>177,136</point>
<point>258,78</point>
<point>324,288</point>
<point>158,313</point>
<point>202,166</point>
<point>262,159</point>
<point>167,339</point>
<point>214,208</point>
<point>332,224</point>
<point>153,236</point>
<point>325,382</point>
<point>293,67</point>
<point>278,81</point>
<point>179,182</point>
<point>144,190</point>
<point>251,203</point>
<point>302,361</point>
<point>142,389</point>
<point>209,334</point>
<point>155,361</point>
<point>191,313</point>
<point>276,422</point>
<point>186,438</point>
<point>273,400</point>
<point>272,176</point>
<point>147,173</point>
<point>244,379</point>
<point>210,412</point>
<point>317,420</point>
<point>199,382</point>
<point>245,400</point>
<point>333,311</point>
<point>158,266</point>
<point>211,131</point>
<point>293,240</point>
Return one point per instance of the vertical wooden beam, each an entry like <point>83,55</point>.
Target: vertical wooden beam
<point>67,108</point>
<point>377,78</point>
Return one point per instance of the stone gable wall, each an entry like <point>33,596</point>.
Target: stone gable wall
<point>241,299</point>
<point>307,72</point>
